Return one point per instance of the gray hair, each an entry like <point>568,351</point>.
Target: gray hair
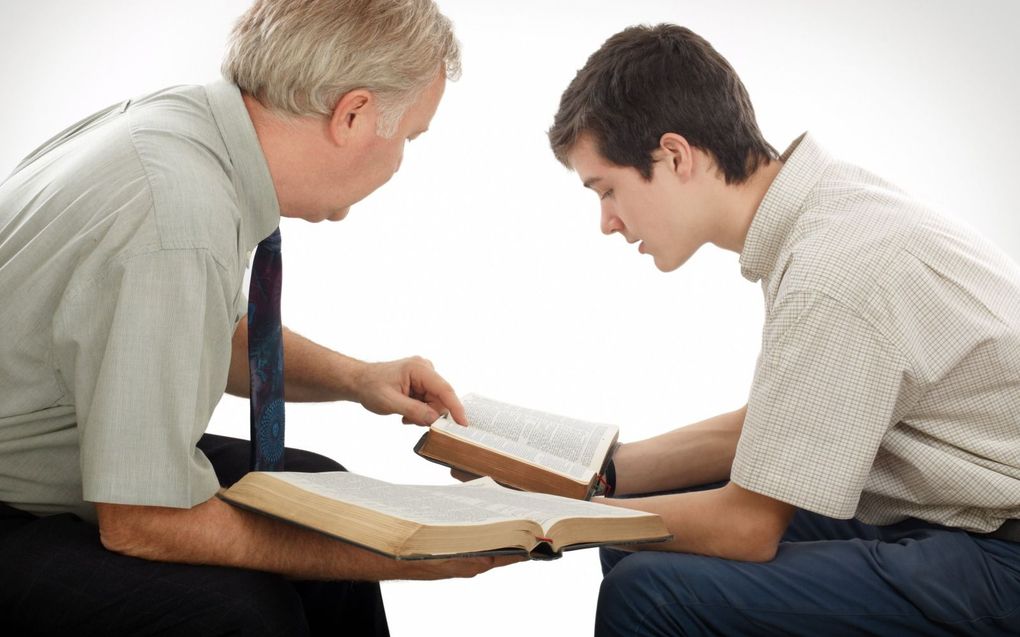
<point>301,56</point>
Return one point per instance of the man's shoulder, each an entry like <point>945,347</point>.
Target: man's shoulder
<point>176,137</point>
<point>187,167</point>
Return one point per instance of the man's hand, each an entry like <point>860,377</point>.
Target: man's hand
<point>409,387</point>
<point>456,567</point>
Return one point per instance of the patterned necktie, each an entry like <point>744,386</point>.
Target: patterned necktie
<point>265,356</point>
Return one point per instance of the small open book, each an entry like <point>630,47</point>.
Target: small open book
<point>523,448</point>
<point>420,522</point>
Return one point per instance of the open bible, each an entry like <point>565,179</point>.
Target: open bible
<point>420,522</point>
<point>522,448</point>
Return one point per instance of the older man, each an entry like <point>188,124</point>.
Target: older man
<point>123,244</point>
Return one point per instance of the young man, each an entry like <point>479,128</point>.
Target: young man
<point>123,244</point>
<point>871,484</point>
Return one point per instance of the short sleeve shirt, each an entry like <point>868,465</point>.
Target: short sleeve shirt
<point>123,244</point>
<point>888,383</point>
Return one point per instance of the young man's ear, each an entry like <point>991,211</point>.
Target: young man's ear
<point>675,150</point>
<point>353,116</point>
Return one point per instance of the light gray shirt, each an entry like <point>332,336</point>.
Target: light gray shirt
<point>123,244</point>
<point>888,384</point>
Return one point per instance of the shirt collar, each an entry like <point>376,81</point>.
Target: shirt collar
<point>256,195</point>
<point>803,164</point>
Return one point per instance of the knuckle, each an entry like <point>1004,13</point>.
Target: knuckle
<point>421,361</point>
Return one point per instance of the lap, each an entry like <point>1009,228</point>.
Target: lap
<point>829,577</point>
<point>57,578</point>
<point>230,458</point>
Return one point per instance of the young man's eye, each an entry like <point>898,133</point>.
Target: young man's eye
<point>606,194</point>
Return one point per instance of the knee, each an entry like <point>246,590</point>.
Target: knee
<point>255,603</point>
<point>610,557</point>
<point>645,594</point>
<point>625,597</point>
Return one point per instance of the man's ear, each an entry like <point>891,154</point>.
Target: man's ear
<point>353,116</point>
<point>675,150</point>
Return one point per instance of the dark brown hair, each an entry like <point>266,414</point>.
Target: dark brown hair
<point>647,81</point>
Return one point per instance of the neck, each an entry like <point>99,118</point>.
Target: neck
<point>741,202</point>
<point>288,144</point>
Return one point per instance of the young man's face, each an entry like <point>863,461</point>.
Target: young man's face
<point>664,215</point>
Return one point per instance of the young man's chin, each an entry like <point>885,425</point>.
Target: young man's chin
<point>668,264</point>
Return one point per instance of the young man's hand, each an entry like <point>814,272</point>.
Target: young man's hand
<point>409,387</point>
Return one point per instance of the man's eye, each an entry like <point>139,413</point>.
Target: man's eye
<point>607,193</point>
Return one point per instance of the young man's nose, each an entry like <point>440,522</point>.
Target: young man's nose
<point>610,222</point>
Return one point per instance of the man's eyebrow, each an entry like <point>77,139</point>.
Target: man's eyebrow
<point>591,181</point>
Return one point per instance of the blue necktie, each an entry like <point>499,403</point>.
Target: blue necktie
<point>265,356</point>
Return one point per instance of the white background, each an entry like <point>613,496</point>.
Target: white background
<point>484,254</point>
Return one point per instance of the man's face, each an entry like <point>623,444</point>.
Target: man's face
<point>663,214</point>
<point>378,158</point>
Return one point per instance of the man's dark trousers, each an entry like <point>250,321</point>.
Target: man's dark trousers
<point>57,579</point>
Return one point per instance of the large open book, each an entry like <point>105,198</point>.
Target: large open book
<point>522,448</point>
<point>419,522</point>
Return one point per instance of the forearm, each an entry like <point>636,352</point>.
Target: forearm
<point>215,533</point>
<point>218,534</point>
<point>728,522</point>
<point>313,373</point>
<point>701,453</point>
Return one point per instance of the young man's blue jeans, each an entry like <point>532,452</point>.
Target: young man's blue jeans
<point>829,578</point>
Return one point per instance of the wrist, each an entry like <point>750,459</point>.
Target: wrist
<point>610,478</point>
<point>620,463</point>
<point>353,376</point>
<point>607,481</point>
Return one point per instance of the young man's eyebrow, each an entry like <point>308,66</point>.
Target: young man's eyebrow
<point>588,183</point>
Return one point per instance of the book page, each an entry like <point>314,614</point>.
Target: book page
<point>480,501</point>
<point>541,507</point>
<point>572,447</point>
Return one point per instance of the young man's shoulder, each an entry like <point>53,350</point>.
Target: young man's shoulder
<point>852,230</point>
<point>901,266</point>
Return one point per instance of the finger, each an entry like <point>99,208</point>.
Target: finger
<point>496,561</point>
<point>471,566</point>
<point>443,396</point>
<point>414,412</point>
<point>451,402</point>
